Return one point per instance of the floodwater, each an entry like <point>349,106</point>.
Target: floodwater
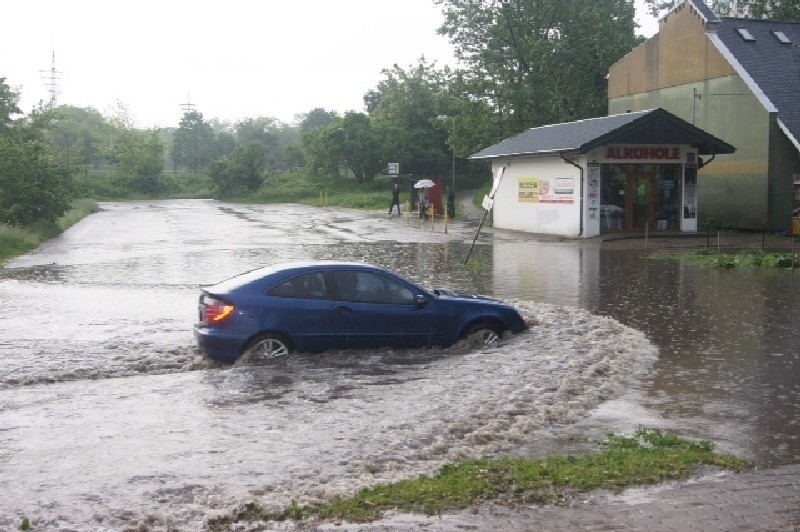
<point>111,420</point>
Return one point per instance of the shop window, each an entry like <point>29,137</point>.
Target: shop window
<point>612,198</point>
<point>638,197</point>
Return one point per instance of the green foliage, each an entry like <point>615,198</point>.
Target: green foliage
<point>75,135</point>
<point>193,142</point>
<point>784,10</point>
<point>297,187</point>
<point>744,259</point>
<point>137,154</point>
<point>403,108</point>
<point>32,189</point>
<point>317,118</point>
<point>102,186</point>
<point>538,62</point>
<point>707,224</point>
<point>242,172</point>
<point>25,525</point>
<point>9,101</point>
<point>16,241</point>
<point>648,456</point>
<point>351,143</point>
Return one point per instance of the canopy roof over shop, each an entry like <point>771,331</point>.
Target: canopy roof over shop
<point>654,126</point>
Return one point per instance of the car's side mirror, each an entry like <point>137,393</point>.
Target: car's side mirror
<point>421,300</point>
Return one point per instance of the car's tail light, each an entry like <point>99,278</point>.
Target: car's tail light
<point>214,311</point>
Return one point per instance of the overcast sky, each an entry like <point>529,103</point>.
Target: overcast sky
<point>231,59</point>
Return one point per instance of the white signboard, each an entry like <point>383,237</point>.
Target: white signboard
<point>497,178</point>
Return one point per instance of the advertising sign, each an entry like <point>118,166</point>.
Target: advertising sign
<point>546,190</point>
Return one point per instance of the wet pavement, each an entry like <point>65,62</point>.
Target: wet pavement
<point>111,420</point>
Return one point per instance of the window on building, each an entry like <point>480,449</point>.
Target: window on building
<point>746,35</point>
<point>781,37</point>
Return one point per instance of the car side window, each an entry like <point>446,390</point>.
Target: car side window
<point>309,286</point>
<point>369,287</point>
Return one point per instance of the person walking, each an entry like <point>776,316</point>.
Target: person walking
<point>395,199</point>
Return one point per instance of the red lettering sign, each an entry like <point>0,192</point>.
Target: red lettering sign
<point>643,153</point>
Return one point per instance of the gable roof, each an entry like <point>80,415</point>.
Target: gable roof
<point>770,67</point>
<point>704,11</point>
<point>654,126</point>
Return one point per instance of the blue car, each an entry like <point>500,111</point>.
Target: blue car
<point>316,306</point>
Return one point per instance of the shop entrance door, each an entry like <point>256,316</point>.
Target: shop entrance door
<point>640,199</point>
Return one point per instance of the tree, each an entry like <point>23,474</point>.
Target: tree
<point>362,152</point>
<point>241,172</point>
<point>9,101</point>
<point>324,150</point>
<point>224,144</point>
<point>537,62</point>
<point>137,154</point>
<point>784,10</point>
<point>316,118</point>
<point>193,142</point>
<point>402,108</point>
<point>75,134</point>
<point>32,190</point>
<point>350,142</point>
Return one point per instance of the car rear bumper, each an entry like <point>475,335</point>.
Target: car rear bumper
<point>216,344</point>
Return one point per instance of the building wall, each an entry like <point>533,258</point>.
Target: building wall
<point>681,70</point>
<point>784,165</point>
<point>542,216</point>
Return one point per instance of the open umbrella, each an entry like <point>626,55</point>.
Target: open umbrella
<point>424,183</point>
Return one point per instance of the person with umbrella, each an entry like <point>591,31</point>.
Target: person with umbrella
<point>424,201</point>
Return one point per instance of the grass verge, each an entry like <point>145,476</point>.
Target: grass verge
<point>647,457</point>
<point>744,259</point>
<point>15,241</point>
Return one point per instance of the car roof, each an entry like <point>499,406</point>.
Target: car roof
<point>326,264</point>
<point>248,277</point>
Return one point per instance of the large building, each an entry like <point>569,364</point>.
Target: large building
<point>737,79</point>
<point>703,128</point>
<point>629,172</point>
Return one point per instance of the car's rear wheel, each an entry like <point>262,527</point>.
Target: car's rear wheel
<point>267,347</point>
<point>484,334</point>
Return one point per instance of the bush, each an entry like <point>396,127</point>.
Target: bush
<point>32,188</point>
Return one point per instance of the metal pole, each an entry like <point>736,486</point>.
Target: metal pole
<point>476,236</point>
<point>453,149</point>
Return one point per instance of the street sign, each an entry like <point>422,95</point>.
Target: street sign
<point>394,168</point>
<point>497,179</point>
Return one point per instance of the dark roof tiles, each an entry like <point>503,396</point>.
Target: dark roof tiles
<point>773,66</point>
<point>655,126</point>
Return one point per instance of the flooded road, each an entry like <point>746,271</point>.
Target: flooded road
<point>110,419</point>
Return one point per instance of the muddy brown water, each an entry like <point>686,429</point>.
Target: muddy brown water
<point>109,418</point>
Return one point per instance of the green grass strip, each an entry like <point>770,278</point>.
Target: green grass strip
<point>744,259</point>
<point>647,457</point>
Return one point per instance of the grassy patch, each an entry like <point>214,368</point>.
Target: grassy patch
<point>15,241</point>
<point>744,259</point>
<point>647,457</point>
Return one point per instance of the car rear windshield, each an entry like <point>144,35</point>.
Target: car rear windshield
<point>238,281</point>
